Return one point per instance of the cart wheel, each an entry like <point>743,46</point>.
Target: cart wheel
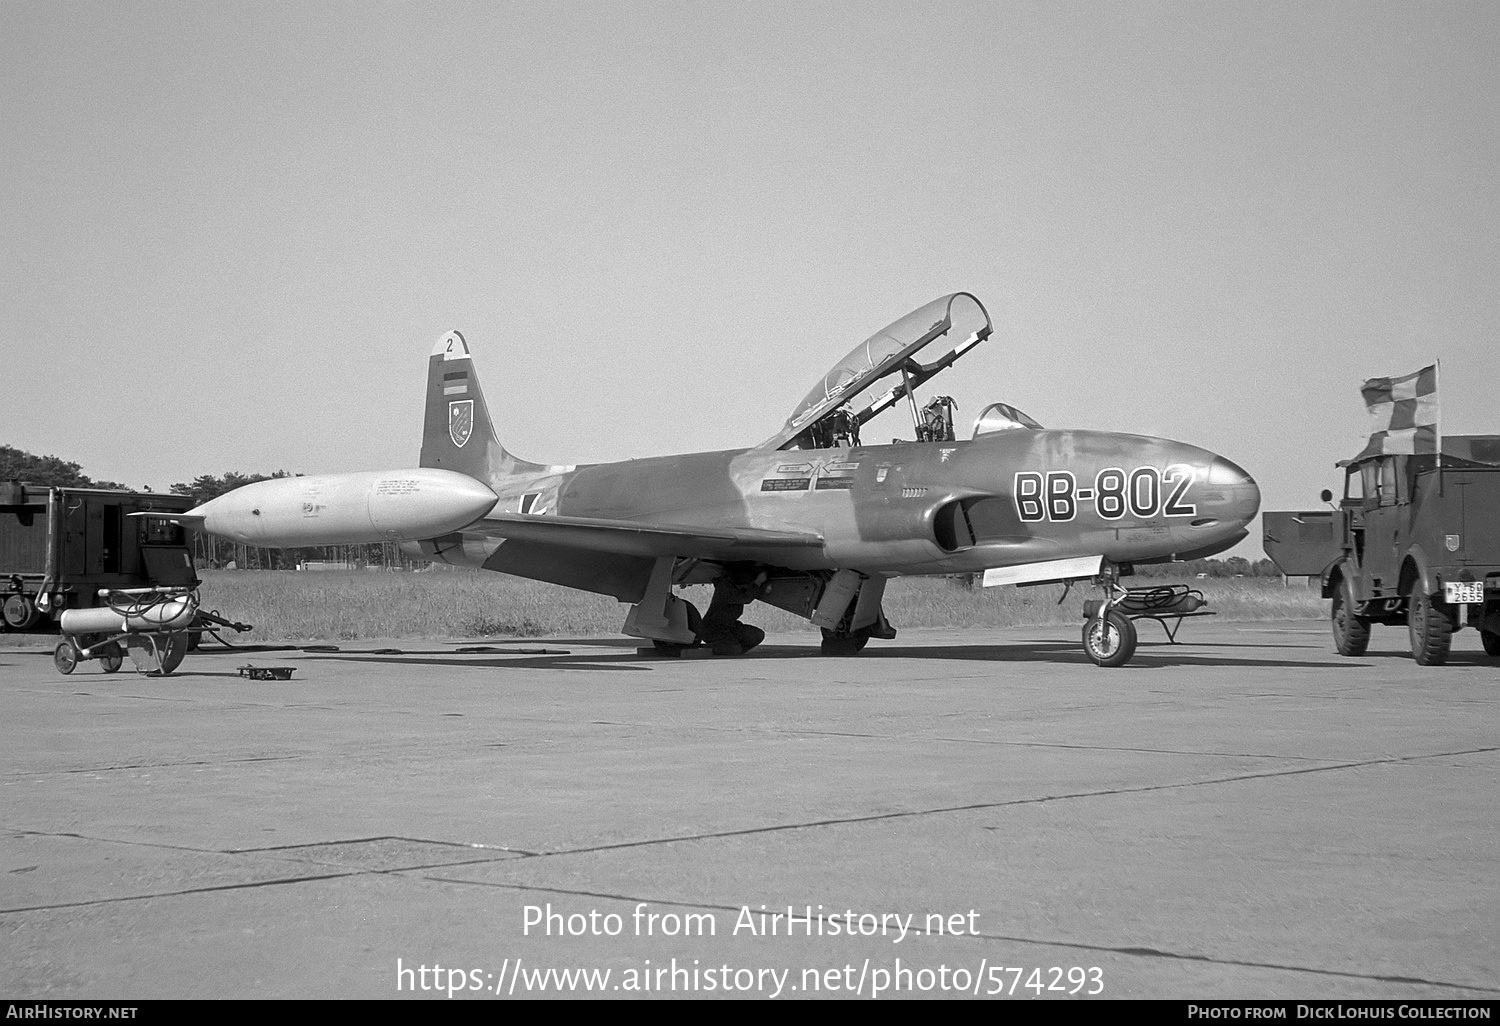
<point>111,657</point>
<point>65,657</point>
<point>172,651</point>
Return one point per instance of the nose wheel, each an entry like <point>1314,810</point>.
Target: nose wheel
<point>1109,635</point>
<point>1109,640</point>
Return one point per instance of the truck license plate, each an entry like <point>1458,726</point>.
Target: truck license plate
<point>1455,592</point>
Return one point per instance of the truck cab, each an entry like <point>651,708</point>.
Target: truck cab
<point>1415,540</point>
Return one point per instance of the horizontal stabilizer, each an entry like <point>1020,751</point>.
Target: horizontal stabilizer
<point>631,538</point>
<point>1045,572</point>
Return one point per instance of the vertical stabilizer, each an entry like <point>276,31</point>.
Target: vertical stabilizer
<point>457,433</point>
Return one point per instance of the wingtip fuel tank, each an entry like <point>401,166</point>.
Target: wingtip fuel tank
<point>347,509</point>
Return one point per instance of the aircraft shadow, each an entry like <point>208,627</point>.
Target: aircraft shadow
<point>1015,652</point>
<point>561,661</point>
<point>620,654</point>
<point>1067,652</point>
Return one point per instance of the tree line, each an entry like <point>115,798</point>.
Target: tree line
<point>53,471</point>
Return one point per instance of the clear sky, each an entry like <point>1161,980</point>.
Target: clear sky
<point>233,231</point>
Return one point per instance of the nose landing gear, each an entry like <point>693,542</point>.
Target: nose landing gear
<point>1109,636</point>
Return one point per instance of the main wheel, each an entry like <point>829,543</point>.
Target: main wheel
<point>1491,642</point>
<point>844,644</point>
<point>1111,641</point>
<point>1429,627</point>
<point>65,657</point>
<point>1351,634</point>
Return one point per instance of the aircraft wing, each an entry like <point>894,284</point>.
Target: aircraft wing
<point>634,538</point>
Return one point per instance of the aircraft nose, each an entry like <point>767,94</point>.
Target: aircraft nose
<point>1240,495</point>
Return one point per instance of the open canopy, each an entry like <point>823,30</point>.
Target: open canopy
<point>884,368</point>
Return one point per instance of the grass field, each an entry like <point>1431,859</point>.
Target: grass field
<point>348,605</point>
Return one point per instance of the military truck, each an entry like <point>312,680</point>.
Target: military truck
<point>1415,540</point>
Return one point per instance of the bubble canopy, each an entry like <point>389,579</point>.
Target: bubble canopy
<point>858,382</point>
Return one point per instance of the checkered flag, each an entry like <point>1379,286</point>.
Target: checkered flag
<point>1405,411</point>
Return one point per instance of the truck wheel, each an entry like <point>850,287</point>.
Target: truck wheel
<point>20,612</point>
<point>1109,642</point>
<point>1351,634</point>
<point>1491,642</point>
<point>1430,629</point>
<point>65,657</point>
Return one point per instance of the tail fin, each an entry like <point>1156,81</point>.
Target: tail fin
<point>457,433</point>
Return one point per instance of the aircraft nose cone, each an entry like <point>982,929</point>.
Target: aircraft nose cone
<point>1241,495</point>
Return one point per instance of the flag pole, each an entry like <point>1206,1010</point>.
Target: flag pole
<point>1437,385</point>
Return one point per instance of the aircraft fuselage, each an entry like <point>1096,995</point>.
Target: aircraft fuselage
<point>929,508</point>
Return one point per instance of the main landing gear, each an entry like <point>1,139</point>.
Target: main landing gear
<point>853,643</point>
<point>673,625</point>
<point>845,605</point>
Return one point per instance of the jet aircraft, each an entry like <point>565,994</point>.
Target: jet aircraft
<point>812,520</point>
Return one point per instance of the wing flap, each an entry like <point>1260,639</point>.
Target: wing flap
<point>1045,572</point>
<point>633,538</point>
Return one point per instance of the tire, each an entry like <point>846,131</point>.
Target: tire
<point>1430,629</point>
<point>1351,634</point>
<point>20,612</point>
<point>65,657</point>
<point>1491,642</point>
<point>1110,642</point>
<point>111,658</point>
<point>172,651</point>
<point>845,644</point>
